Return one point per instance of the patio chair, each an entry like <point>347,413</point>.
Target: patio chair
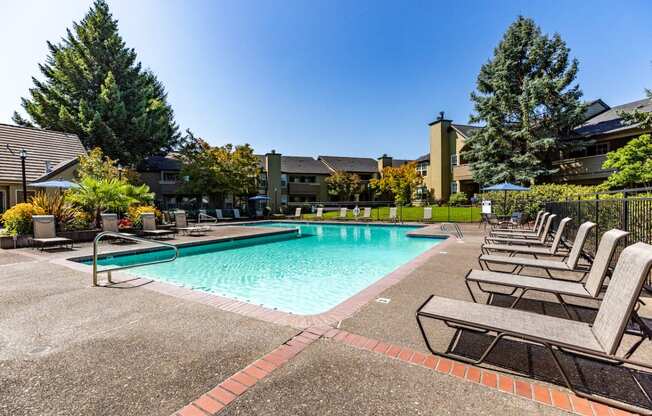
<point>552,250</point>
<point>606,248</point>
<point>181,224</point>
<point>392,214</point>
<point>427,214</point>
<point>590,289</point>
<point>366,214</point>
<point>45,233</point>
<point>110,223</point>
<point>203,216</point>
<point>319,215</point>
<point>533,233</point>
<point>598,341</point>
<point>149,227</point>
<point>343,212</point>
<point>297,214</point>
<point>237,216</point>
<point>537,241</point>
<point>218,214</point>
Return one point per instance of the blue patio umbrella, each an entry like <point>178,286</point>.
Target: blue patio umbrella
<point>506,186</point>
<point>55,183</point>
<point>260,198</point>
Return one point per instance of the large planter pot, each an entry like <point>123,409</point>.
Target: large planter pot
<point>79,236</point>
<point>8,242</point>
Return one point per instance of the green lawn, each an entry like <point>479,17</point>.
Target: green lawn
<point>439,214</point>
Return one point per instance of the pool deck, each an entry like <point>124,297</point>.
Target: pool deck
<point>69,348</point>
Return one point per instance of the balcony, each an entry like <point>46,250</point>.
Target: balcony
<point>462,172</point>
<point>309,188</point>
<point>581,168</point>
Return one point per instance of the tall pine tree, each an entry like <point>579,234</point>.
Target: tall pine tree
<point>94,87</point>
<point>526,101</point>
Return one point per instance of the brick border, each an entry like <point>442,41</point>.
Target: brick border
<point>213,401</point>
<point>494,380</point>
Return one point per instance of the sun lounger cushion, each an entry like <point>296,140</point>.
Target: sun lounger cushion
<point>559,331</point>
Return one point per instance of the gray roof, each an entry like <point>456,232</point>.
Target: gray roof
<point>351,164</point>
<point>465,129</point>
<point>42,146</point>
<point>610,121</point>
<point>303,164</point>
<point>56,171</point>
<point>400,162</point>
<point>424,158</point>
<point>160,163</point>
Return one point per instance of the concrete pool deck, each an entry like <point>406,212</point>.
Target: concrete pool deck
<point>67,348</point>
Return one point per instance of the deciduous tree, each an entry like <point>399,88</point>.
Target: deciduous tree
<point>343,185</point>
<point>632,164</point>
<point>402,182</point>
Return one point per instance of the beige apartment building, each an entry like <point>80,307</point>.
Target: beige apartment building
<point>446,172</point>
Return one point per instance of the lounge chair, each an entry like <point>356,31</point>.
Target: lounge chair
<point>297,214</point>
<point>366,214</point>
<point>319,215</point>
<point>589,289</point>
<point>597,341</point>
<point>606,248</point>
<point>516,233</point>
<point>149,226</point>
<point>110,223</point>
<point>427,214</point>
<point>538,241</point>
<point>553,250</point>
<point>343,212</point>
<point>237,216</point>
<point>203,216</point>
<point>45,233</point>
<point>392,214</point>
<point>181,224</point>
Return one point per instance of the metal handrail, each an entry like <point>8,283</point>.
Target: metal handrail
<point>458,230</point>
<point>132,238</point>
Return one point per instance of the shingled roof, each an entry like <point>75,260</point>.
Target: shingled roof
<point>160,163</point>
<point>303,164</point>
<point>44,148</point>
<point>350,164</point>
<point>610,121</point>
<point>465,129</point>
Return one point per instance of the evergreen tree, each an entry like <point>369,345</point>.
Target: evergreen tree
<point>94,87</point>
<point>526,101</point>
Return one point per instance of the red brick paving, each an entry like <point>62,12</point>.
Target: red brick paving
<point>215,400</point>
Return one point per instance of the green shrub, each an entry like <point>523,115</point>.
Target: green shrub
<point>18,219</point>
<point>457,199</point>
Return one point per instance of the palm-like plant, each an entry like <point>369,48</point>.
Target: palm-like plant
<point>54,204</point>
<point>98,195</point>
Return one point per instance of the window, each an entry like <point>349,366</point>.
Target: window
<point>262,181</point>
<point>284,199</point>
<point>284,180</point>
<point>453,187</point>
<point>3,201</point>
<point>19,195</point>
<point>598,149</point>
<point>169,177</point>
<point>422,169</point>
<point>454,159</point>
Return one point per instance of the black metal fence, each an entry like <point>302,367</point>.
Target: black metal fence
<point>629,210</point>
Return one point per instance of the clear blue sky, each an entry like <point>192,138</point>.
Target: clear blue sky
<point>357,78</point>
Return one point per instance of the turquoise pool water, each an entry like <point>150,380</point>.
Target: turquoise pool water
<point>308,274</point>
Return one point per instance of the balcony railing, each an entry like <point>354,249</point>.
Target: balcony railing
<point>588,167</point>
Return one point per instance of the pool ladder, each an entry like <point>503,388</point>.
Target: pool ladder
<point>456,229</point>
<point>122,236</point>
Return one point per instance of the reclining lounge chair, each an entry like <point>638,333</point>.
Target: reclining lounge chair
<point>535,241</point>
<point>110,223</point>
<point>535,232</point>
<point>45,233</point>
<point>598,341</point>
<point>181,224</point>
<point>606,248</point>
<point>589,289</point>
<point>149,227</point>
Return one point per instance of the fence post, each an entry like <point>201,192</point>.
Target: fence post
<point>597,221</point>
<point>449,212</point>
<point>625,215</point>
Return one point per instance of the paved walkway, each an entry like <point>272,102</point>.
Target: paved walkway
<point>67,348</point>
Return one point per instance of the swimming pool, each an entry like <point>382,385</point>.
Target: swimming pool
<point>308,273</point>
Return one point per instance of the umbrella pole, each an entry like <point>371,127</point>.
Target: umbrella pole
<point>505,205</point>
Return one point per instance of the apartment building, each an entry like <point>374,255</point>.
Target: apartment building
<point>445,171</point>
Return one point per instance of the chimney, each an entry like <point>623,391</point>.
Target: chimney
<point>273,170</point>
<point>384,161</point>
